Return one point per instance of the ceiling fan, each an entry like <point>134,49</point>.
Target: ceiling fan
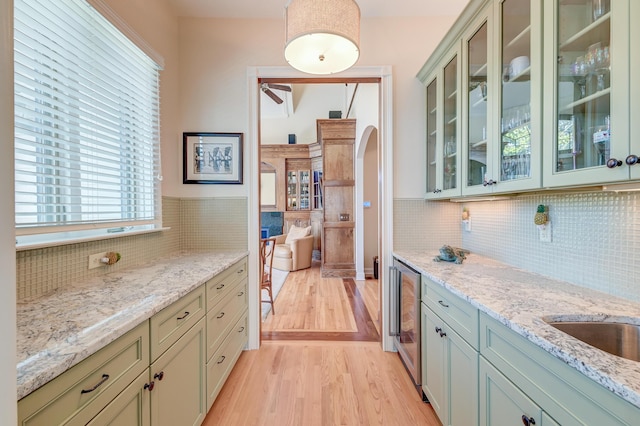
<point>266,88</point>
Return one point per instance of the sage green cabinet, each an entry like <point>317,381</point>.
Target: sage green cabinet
<point>79,394</point>
<point>449,354</point>
<point>450,372</point>
<point>547,96</point>
<point>179,394</point>
<point>503,404</point>
<point>587,66</point>
<point>130,407</point>
<point>565,394</point>
<point>226,326</point>
<point>444,109</point>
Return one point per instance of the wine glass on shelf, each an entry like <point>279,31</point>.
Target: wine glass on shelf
<point>602,62</point>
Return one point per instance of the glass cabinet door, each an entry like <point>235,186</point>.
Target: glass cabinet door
<point>477,55</point>
<point>583,85</point>
<point>432,135</point>
<point>292,190</point>
<point>450,125</point>
<point>305,194</point>
<point>516,90</point>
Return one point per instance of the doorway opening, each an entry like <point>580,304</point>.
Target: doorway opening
<point>316,305</point>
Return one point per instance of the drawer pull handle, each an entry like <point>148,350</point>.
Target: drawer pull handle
<point>105,377</point>
<point>186,314</point>
<point>241,294</point>
<point>240,271</point>
<point>526,421</point>
<point>149,386</point>
<point>220,316</point>
<point>159,375</point>
<point>241,329</point>
<point>443,304</point>
<point>222,359</point>
<point>220,287</point>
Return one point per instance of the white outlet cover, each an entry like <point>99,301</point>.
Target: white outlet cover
<point>545,232</point>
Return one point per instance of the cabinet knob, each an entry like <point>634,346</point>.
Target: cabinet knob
<point>149,386</point>
<point>631,160</point>
<point>437,191</point>
<point>526,421</point>
<point>159,375</point>
<point>612,163</point>
<point>438,329</point>
<point>489,182</point>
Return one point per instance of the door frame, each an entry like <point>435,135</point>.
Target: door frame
<point>252,149</point>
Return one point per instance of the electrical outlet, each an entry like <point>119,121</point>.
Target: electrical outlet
<point>545,232</point>
<point>94,260</point>
<point>467,224</point>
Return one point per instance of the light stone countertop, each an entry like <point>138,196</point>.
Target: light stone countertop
<point>520,299</point>
<point>58,330</point>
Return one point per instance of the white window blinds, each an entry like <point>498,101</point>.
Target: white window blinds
<point>86,121</point>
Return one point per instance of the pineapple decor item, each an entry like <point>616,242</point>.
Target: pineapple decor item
<point>541,217</point>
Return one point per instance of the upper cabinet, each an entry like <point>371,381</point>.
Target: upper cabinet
<point>537,105</point>
<point>588,133</point>
<point>443,130</point>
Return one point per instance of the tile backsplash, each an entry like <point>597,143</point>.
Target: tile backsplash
<point>196,224</point>
<point>595,235</point>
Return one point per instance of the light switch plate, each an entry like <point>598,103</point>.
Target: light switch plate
<point>344,217</point>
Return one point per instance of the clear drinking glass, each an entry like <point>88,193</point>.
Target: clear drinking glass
<point>599,8</point>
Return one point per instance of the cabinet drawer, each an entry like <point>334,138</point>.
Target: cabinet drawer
<point>221,284</point>
<point>458,313</point>
<point>565,394</point>
<point>222,362</point>
<point>81,392</point>
<point>222,318</point>
<point>173,321</point>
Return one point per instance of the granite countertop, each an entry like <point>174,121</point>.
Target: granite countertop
<point>520,300</point>
<point>58,330</point>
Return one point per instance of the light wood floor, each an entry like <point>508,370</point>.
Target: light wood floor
<point>320,363</point>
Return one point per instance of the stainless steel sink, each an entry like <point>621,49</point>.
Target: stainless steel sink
<point>619,339</point>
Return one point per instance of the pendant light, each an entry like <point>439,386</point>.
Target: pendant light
<point>323,36</point>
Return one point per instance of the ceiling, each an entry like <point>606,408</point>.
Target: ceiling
<point>275,8</point>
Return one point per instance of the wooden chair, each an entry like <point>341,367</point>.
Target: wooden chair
<point>266,261</point>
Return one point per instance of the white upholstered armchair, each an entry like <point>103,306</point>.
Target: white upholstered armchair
<point>293,251</point>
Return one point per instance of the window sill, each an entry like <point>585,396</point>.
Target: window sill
<point>58,241</point>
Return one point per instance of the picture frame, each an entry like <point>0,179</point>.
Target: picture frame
<point>212,158</point>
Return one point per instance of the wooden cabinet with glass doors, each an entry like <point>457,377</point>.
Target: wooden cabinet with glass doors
<point>589,135</point>
<point>298,184</point>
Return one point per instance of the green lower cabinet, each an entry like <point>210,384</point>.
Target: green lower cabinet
<point>502,403</point>
<point>129,408</point>
<point>178,396</point>
<point>450,372</point>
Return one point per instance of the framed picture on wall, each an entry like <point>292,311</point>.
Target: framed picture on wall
<point>212,158</point>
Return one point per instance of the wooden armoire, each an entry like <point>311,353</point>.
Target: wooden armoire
<point>337,141</point>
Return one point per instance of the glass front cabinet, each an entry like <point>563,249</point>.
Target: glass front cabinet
<point>588,134</point>
<point>545,97</point>
<point>443,130</point>
<point>298,190</point>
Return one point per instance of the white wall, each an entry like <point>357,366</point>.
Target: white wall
<point>215,54</point>
<point>8,408</point>
<point>310,102</point>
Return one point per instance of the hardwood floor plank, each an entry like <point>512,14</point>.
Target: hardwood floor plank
<point>312,383</point>
<point>311,307</point>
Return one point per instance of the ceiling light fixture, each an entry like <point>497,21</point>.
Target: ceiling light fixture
<point>323,36</point>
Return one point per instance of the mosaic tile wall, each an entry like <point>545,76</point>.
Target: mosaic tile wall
<point>421,225</point>
<point>43,270</point>
<point>595,236</point>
